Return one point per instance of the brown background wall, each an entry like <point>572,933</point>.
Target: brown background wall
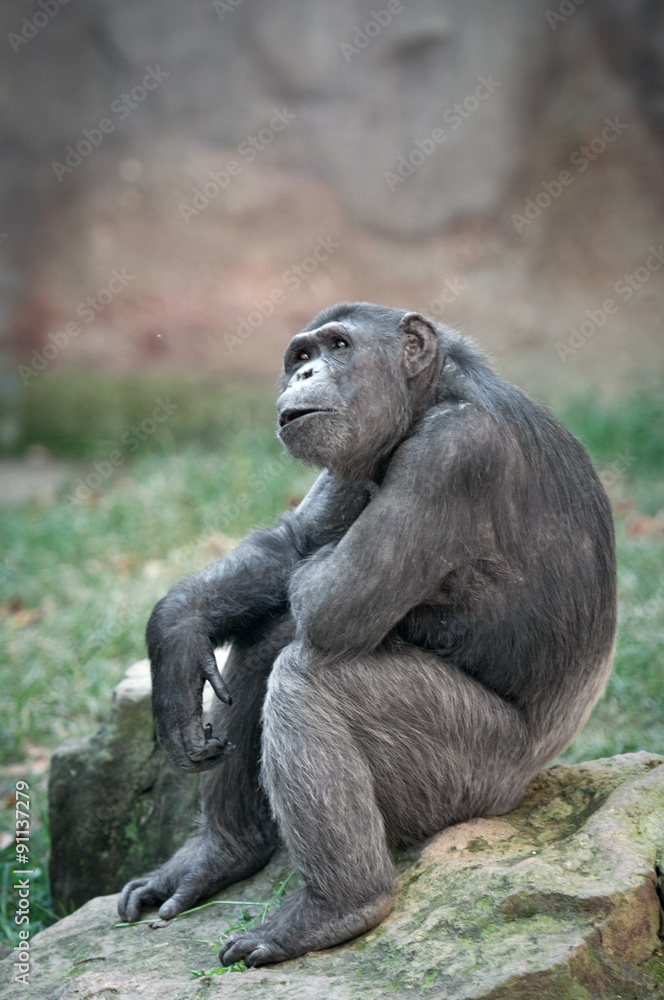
<point>529,135</point>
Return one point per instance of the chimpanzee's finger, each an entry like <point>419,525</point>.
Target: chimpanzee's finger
<point>215,748</point>
<point>219,686</point>
<point>202,745</point>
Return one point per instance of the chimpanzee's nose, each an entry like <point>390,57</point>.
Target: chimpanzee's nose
<point>305,372</point>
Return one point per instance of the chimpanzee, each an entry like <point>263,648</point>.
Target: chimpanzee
<point>408,646</point>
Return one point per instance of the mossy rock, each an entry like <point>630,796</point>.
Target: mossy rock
<point>117,807</point>
<point>556,901</point>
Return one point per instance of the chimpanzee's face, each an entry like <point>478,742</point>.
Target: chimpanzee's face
<point>345,402</point>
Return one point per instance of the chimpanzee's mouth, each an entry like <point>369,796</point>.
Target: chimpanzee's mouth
<point>290,416</point>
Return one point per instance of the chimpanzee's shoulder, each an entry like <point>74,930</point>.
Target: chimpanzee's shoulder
<point>456,422</point>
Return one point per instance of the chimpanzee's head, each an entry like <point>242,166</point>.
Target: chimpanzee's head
<point>354,381</point>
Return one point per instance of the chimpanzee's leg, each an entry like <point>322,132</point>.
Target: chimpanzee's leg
<point>235,834</point>
<point>388,747</point>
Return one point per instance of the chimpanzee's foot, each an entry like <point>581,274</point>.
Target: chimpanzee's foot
<point>302,925</point>
<point>196,871</point>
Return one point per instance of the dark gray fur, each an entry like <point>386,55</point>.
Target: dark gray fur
<point>406,653</point>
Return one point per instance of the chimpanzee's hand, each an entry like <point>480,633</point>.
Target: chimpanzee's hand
<point>182,659</point>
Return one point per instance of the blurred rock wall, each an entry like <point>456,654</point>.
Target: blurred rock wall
<point>185,184</point>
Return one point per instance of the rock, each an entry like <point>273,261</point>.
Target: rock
<point>557,900</point>
<point>299,55</point>
<point>117,807</point>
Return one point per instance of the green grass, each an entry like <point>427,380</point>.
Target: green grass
<point>78,579</point>
<point>90,571</point>
<point>628,433</point>
<point>626,441</point>
<point>81,414</point>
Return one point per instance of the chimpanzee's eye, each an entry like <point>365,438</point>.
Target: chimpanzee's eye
<point>339,343</point>
<point>303,356</point>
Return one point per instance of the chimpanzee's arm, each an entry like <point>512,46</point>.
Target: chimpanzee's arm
<point>233,598</point>
<point>417,528</point>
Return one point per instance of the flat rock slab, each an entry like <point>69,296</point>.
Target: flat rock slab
<point>557,900</point>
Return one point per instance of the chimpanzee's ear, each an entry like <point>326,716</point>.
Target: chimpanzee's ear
<point>419,340</point>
